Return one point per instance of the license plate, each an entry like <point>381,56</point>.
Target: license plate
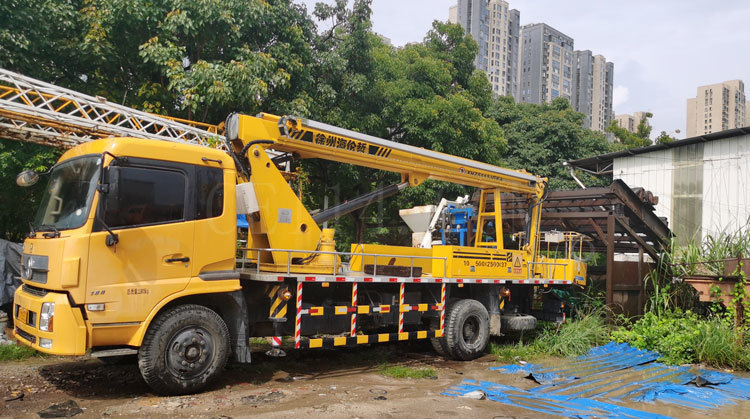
<point>23,315</point>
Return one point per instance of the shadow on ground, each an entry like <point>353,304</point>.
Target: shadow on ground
<point>93,379</point>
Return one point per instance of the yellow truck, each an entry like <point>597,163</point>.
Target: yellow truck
<point>134,250</point>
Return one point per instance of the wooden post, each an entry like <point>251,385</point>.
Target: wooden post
<point>610,258</point>
<point>641,289</point>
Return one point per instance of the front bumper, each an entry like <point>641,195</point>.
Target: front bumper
<point>68,335</point>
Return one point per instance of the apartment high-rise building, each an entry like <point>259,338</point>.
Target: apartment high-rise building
<point>545,69</point>
<point>593,81</point>
<point>453,14</point>
<point>583,83</point>
<point>630,122</point>
<point>496,28</point>
<point>601,99</point>
<point>717,107</point>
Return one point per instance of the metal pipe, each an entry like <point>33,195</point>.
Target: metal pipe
<point>359,202</point>
<point>573,175</point>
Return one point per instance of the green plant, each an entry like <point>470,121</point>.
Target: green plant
<point>400,371</point>
<point>15,352</point>
<point>514,352</point>
<point>717,345</point>
<point>574,338</point>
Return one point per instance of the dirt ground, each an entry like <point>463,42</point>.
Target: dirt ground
<point>343,383</point>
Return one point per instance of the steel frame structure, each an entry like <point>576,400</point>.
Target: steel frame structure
<point>35,111</point>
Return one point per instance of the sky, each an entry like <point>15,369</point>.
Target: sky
<point>662,50</point>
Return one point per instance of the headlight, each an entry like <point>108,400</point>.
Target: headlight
<point>232,127</point>
<point>46,317</point>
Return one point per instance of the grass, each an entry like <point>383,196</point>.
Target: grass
<point>514,352</point>
<point>258,341</point>
<point>15,352</point>
<point>571,338</point>
<point>717,345</point>
<point>400,371</point>
<point>574,338</point>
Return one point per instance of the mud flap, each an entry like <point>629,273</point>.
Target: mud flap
<point>237,322</point>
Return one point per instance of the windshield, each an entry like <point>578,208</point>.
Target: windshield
<point>67,199</point>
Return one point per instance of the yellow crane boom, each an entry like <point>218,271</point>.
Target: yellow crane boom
<point>312,139</point>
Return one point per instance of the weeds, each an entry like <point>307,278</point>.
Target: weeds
<point>575,337</point>
<point>15,352</point>
<point>400,371</point>
<point>571,338</point>
<point>717,345</point>
<point>514,352</point>
<point>683,337</point>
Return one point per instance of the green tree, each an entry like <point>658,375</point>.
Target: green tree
<point>199,59</point>
<point>411,95</point>
<point>18,205</point>
<point>665,138</point>
<point>626,139</point>
<point>541,137</point>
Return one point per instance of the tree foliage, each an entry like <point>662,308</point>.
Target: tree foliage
<point>541,137</point>
<point>626,139</point>
<point>203,59</point>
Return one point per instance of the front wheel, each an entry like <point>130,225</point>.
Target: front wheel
<point>185,348</point>
<point>467,330</point>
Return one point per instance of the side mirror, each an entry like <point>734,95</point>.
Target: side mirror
<point>110,181</point>
<point>27,178</point>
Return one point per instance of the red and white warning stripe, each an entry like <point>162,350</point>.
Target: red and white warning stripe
<point>442,309</point>
<point>276,341</point>
<point>405,280</point>
<point>400,312</point>
<point>298,320</point>
<point>354,312</point>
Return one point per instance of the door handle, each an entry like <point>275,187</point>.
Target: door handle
<point>172,260</point>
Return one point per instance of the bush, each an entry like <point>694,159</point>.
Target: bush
<point>682,338</point>
<point>674,335</point>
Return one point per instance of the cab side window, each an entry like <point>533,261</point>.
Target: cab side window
<point>145,196</point>
<point>209,191</point>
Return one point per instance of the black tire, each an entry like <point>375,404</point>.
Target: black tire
<point>439,344</point>
<point>185,348</point>
<point>467,330</point>
<point>517,323</point>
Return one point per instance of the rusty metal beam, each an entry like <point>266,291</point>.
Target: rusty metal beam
<point>645,246</point>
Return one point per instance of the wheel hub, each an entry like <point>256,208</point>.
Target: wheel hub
<point>190,350</point>
<point>470,330</point>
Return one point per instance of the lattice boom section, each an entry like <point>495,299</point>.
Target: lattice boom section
<point>35,111</point>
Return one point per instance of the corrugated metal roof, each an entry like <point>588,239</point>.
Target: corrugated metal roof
<point>601,164</point>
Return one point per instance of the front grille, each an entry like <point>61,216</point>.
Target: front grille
<point>39,292</point>
<point>27,336</point>
<point>35,267</point>
<point>39,277</point>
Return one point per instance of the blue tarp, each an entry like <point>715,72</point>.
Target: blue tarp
<point>609,378</point>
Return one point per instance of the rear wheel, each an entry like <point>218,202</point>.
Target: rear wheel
<point>184,349</point>
<point>467,330</point>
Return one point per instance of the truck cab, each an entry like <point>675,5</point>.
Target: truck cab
<point>125,226</point>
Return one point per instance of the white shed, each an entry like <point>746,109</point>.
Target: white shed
<point>703,183</point>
